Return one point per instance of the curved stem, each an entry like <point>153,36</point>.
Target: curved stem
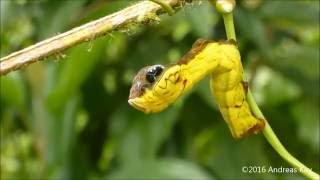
<point>267,131</point>
<point>276,144</point>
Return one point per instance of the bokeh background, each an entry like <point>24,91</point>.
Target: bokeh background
<point>68,117</point>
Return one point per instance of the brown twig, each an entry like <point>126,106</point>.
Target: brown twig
<point>139,13</point>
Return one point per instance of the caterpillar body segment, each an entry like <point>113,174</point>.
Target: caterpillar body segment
<point>230,91</point>
<point>236,111</point>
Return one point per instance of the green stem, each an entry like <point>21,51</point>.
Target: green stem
<point>229,25</point>
<point>276,144</point>
<point>267,131</point>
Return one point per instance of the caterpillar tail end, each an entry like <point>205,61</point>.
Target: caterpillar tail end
<point>247,126</point>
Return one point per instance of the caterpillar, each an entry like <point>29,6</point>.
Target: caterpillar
<point>155,87</point>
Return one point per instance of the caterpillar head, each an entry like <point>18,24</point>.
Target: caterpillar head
<point>144,80</point>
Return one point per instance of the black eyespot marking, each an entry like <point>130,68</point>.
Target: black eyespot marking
<point>153,73</point>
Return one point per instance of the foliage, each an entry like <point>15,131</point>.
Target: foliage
<point>68,117</point>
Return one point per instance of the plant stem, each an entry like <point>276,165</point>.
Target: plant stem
<point>267,131</point>
<point>134,15</point>
<point>229,25</point>
<point>276,144</point>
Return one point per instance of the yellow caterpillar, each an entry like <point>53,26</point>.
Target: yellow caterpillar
<point>155,87</point>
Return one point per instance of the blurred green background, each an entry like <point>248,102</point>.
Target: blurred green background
<point>68,117</point>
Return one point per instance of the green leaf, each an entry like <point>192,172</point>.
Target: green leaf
<point>203,89</point>
<point>223,153</point>
<point>306,115</point>
<point>57,19</point>
<point>77,67</point>
<point>12,91</point>
<point>161,169</point>
<point>202,18</point>
<point>252,29</point>
<point>295,12</point>
<point>103,8</point>
<point>303,58</point>
<point>142,134</point>
<point>271,88</point>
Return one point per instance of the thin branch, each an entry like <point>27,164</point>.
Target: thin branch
<point>140,13</point>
